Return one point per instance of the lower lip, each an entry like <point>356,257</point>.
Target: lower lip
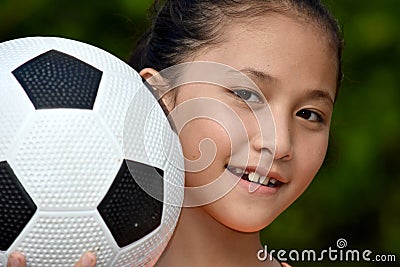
<point>254,188</point>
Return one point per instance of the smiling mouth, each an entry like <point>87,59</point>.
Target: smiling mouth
<point>254,177</point>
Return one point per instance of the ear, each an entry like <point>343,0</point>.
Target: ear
<point>147,73</point>
<point>152,78</point>
<point>167,99</point>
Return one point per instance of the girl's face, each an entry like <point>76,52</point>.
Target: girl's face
<point>295,70</point>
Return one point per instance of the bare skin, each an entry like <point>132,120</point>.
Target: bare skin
<point>299,81</point>
<point>295,69</point>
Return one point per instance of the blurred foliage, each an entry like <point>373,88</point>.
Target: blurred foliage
<point>356,195</point>
<point>110,25</point>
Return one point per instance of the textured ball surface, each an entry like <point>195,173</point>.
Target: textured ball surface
<point>88,160</point>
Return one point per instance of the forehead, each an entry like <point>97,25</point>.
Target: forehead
<point>286,48</point>
<point>278,31</point>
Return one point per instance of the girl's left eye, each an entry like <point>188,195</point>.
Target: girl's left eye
<point>310,115</point>
<point>248,96</point>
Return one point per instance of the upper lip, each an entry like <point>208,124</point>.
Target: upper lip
<point>277,176</point>
<point>263,172</point>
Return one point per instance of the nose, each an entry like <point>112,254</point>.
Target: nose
<point>276,139</point>
<point>275,136</point>
<point>283,138</point>
<point>264,143</point>
<point>263,136</point>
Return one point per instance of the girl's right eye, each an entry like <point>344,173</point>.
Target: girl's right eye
<point>248,95</point>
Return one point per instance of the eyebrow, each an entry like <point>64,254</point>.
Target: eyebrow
<point>321,95</point>
<point>259,74</point>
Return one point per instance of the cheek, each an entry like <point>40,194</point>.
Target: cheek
<point>203,137</point>
<point>206,148</point>
<point>310,156</point>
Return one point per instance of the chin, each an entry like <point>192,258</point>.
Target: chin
<point>244,221</point>
<point>248,226</point>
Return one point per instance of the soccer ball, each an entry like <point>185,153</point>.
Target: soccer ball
<point>88,159</point>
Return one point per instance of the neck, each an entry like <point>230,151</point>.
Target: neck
<point>199,240</point>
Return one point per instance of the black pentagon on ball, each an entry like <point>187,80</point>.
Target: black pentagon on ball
<point>58,80</point>
<point>16,207</point>
<point>129,211</point>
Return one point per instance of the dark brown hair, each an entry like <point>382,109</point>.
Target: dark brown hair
<point>180,28</point>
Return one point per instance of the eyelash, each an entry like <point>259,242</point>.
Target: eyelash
<point>306,114</point>
<point>251,93</point>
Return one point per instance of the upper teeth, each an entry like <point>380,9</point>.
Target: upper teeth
<point>256,178</point>
<point>238,171</point>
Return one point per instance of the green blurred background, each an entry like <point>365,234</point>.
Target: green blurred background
<point>356,195</point>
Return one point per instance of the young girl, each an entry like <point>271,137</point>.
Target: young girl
<point>290,49</point>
